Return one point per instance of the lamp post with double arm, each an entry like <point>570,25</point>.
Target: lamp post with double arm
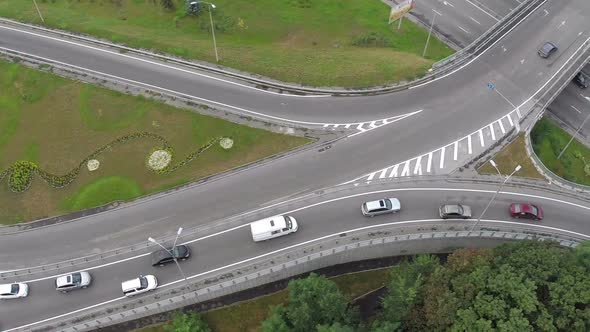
<point>172,253</point>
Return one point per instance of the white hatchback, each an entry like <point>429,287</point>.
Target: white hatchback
<point>13,291</point>
<point>139,285</point>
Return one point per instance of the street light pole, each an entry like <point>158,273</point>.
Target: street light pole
<point>496,193</point>
<point>573,136</point>
<point>430,31</point>
<point>38,11</point>
<point>211,6</point>
<point>171,251</point>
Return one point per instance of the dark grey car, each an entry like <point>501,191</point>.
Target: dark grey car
<point>547,49</point>
<point>163,257</point>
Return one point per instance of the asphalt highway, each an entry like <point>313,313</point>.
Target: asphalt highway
<point>451,107</point>
<point>318,218</point>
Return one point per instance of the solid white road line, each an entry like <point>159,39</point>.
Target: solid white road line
<point>501,127</point>
<point>481,137</point>
<point>257,114</point>
<point>492,131</point>
<point>429,189</point>
<point>394,171</point>
<point>306,243</point>
<point>158,64</point>
<point>477,57</point>
<point>418,166</point>
<point>406,169</point>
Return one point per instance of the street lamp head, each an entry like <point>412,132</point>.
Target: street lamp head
<point>193,3</point>
<point>179,231</point>
<point>493,163</point>
<point>213,6</point>
<point>517,168</point>
<point>151,239</point>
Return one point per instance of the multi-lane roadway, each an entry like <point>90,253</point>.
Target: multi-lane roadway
<point>452,108</point>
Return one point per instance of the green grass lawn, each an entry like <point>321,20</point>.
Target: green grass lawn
<point>314,42</point>
<point>549,140</point>
<point>57,123</point>
<point>248,315</point>
<point>508,158</point>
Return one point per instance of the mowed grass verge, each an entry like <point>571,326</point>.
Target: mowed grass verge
<point>314,42</point>
<point>247,316</point>
<point>56,123</point>
<point>549,140</point>
<point>508,158</point>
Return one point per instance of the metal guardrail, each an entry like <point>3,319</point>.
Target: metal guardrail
<point>490,33</point>
<point>443,67</point>
<point>296,261</point>
<point>219,225</point>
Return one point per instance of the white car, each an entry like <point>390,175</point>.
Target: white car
<point>73,281</point>
<point>13,291</point>
<point>139,285</point>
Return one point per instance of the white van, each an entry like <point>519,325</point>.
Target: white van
<point>272,227</point>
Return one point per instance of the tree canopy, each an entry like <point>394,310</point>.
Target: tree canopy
<point>315,303</point>
<point>520,286</point>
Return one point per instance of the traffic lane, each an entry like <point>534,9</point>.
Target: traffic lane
<point>235,98</point>
<point>514,65</point>
<point>303,172</point>
<point>453,23</point>
<point>315,222</point>
<point>497,8</point>
<point>572,109</point>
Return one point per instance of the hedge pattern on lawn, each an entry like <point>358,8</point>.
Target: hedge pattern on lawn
<point>20,174</point>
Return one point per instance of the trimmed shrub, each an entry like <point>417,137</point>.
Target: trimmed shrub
<point>21,175</point>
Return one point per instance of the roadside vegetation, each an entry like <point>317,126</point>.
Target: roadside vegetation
<point>53,131</point>
<point>314,42</point>
<point>549,140</point>
<point>248,315</point>
<point>508,158</point>
<point>518,286</point>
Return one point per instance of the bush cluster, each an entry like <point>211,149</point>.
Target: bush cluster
<point>190,156</point>
<point>21,175</point>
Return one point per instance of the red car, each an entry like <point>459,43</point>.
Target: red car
<point>526,211</point>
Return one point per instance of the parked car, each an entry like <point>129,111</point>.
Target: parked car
<point>582,80</point>
<point>73,281</point>
<point>139,285</point>
<point>526,211</point>
<point>162,257</point>
<point>381,206</point>
<point>13,291</point>
<point>454,211</point>
<point>547,49</point>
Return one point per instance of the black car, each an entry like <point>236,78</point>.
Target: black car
<point>547,49</point>
<point>162,257</point>
<point>582,80</point>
